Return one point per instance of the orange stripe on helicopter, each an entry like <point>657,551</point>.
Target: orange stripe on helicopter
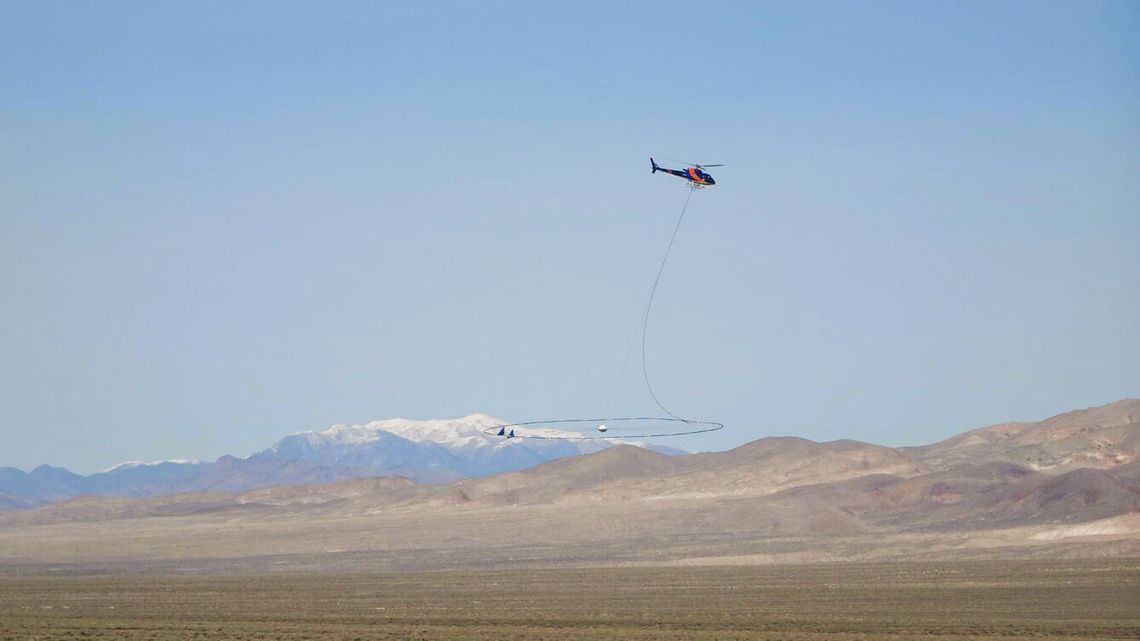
<point>694,176</point>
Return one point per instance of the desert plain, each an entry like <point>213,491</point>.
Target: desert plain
<point>960,600</point>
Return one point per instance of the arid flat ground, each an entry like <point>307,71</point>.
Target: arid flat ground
<point>983,599</point>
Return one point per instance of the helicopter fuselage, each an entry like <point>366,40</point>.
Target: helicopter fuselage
<point>694,175</point>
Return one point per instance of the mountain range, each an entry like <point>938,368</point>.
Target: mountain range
<point>434,451</point>
<point>1066,486</point>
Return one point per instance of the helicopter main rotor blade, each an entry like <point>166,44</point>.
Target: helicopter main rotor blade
<point>690,164</point>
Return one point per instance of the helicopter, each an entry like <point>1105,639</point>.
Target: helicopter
<point>696,175</point>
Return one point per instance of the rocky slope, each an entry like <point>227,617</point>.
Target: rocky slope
<point>1100,437</point>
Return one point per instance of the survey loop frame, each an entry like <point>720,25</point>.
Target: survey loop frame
<point>589,429</point>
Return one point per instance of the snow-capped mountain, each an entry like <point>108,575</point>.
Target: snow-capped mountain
<point>432,451</point>
<point>435,450</point>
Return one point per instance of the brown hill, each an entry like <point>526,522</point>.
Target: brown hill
<point>786,498</point>
<point>632,473</point>
<point>591,477</point>
<point>969,497</point>
<point>1100,437</point>
<point>769,464</point>
<point>12,503</point>
<point>374,493</point>
<point>1034,499</point>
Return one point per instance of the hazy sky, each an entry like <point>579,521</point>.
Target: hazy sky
<point>224,222</point>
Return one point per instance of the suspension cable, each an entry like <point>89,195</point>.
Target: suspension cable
<point>649,306</point>
<point>645,325</point>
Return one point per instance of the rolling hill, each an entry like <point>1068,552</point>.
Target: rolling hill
<point>775,499</point>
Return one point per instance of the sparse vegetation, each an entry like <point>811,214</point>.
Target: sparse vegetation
<point>1063,600</point>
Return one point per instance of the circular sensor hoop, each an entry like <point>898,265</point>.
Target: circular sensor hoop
<point>584,429</point>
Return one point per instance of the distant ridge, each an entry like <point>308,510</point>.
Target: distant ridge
<point>432,451</point>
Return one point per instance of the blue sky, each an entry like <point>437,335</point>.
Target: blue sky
<point>224,222</point>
